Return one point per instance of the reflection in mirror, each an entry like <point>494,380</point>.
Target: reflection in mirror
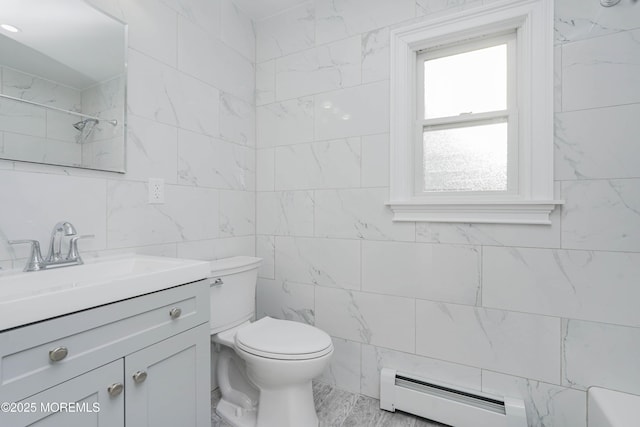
<point>62,84</point>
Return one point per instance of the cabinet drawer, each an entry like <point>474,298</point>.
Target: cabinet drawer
<point>94,337</point>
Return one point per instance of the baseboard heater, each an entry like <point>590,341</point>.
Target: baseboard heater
<point>447,404</point>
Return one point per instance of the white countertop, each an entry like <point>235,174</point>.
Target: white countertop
<point>34,296</point>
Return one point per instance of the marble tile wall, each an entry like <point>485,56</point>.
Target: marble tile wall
<point>540,312</point>
<point>191,121</point>
<point>30,132</point>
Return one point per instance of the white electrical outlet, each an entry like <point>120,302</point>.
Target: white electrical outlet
<point>156,191</point>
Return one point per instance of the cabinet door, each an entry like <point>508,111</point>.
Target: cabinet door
<point>84,401</point>
<point>168,383</point>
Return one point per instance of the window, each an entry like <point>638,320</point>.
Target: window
<point>472,116</point>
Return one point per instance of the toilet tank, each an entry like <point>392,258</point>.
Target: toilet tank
<point>232,291</point>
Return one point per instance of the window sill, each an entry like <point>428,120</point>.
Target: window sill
<point>493,212</point>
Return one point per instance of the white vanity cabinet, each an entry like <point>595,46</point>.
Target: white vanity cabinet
<point>86,390</point>
<point>139,362</point>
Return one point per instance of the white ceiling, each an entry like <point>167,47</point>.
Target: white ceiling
<point>62,34</point>
<point>260,9</point>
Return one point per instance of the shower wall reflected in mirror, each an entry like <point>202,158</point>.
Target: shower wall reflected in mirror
<point>62,84</point>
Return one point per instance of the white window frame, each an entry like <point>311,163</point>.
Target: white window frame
<point>508,115</point>
<point>533,198</point>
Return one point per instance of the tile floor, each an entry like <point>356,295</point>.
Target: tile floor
<point>337,408</point>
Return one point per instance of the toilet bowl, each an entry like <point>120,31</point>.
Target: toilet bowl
<point>264,368</point>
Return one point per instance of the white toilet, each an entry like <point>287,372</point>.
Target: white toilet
<point>264,368</point>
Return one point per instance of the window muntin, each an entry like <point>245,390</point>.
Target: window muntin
<point>467,118</point>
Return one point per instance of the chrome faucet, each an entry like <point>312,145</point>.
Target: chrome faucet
<point>60,230</point>
<point>55,258</point>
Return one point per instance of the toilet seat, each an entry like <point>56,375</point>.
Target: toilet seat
<point>283,340</point>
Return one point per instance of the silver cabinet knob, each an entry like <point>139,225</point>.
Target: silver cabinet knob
<point>58,353</point>
<point>175,312</point>
<point>115,389</point>
<point>139,377</point>
<point>218,282</point>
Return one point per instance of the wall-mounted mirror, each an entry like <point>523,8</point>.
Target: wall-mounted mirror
<point>62,84</point>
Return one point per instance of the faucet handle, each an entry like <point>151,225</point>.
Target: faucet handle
<point>73,254</point>
<point>35,261</point>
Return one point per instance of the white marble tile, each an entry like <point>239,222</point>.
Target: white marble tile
<point>288,213</point>
<point>29,214</point>
<point>204,13</point>
<point>34,148</point>
<point>375,55</point>
<point>351,112</point>
<point>598,286</point>
<point>237,213</point>
<point>209,162</point>
<point>266,249</point>
<point>579,19</point>
<point>166,250</point>
<point>602,215</point>
<point>131,221</point>
<point>325,262</point>
<point>60,127</point>
<point>237,120</point>
<point>557,79</point>
<point>430,7</point>
<point>543,236</point>
<point>514,343</point>
<point>105,154</point>
<point>319,69</point>
<point>284,123</point>
<point>289,301</point>
<point>285,33</point>
<point>381,320</point>
<point>358,214</point>
<point>196,105</point>
<point>601,72</point>
<point>598,354</point>
<point>376,358</point>
<point>151,150</point>
<point>152,29</point>
<point>547,405</point>
<point>327,164</point>
<point>265,82</point>
<point>337,19</point>
<point>448,273</point>
<point>224,67</point>
<point>210,249</point>
<point>237,30</point>
<point>265,169</point>
<point>151,88</point>
<point>343,371</point>
<point>375,161</point>
<point>598,143</point>
<point>21,118</point>
<point>105,95</point>
<point>33,88</point>
<point>193,41</point>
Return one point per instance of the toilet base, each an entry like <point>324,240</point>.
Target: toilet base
<point>235,415</point>
<point>291,406</point>
<point>288,407</point>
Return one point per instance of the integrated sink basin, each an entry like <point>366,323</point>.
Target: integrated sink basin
<point>34,296</point>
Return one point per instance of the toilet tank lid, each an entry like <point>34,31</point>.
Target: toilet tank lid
<point>236,264</point>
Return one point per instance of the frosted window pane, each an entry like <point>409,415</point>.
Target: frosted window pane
<point>471,82</point>
<point>466,159</point>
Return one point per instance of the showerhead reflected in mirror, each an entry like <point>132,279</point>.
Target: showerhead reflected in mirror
<point>62,84</point>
